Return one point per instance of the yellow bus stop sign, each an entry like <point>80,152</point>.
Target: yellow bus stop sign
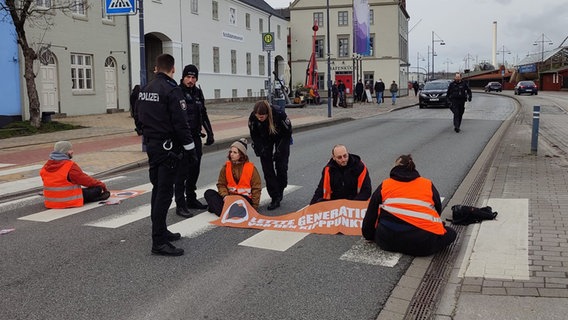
<point>268,41</point>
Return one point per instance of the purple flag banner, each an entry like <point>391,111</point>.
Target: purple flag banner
<point>361,28</point>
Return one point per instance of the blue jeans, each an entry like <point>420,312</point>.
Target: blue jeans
<point>379,97</point>
<point>393,94</point>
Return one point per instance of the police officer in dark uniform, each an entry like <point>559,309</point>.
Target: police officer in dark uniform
<point>458,92</point>
<point>271,134</point>
<point>162,113</point>
<point>186,182</point>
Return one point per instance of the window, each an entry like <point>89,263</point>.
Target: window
<point>247,20</point>
<point>234,61</point>
<point>233,16</point>
<point>194,8</point>
<point>318,18</point>
<point>343,50</point>
<point>249,93</point>
<point>261,66</point>
<point>249,63</point>
<point>321,81</point>
<point>372,45</point>
<point>217,93</point>
<point>278,32</point>
<point>371,17</point>
<point>215,10</point>
<point>235,93</point>
<point>319,47</point>
<point>195,54</point>
<point>260,25</point>
<point>106,18</point>
<point>78,7</point>
<point>45,4</point>
<point>81,72</point>
<point>342,18</point>
<point>216,59</point>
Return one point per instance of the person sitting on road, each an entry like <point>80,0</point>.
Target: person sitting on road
<point>238,176</point>
<point>403,214</point>
<point>63,178</point>
<point>344,177</point>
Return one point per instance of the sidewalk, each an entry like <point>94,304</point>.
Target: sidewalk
<point>109,144</point>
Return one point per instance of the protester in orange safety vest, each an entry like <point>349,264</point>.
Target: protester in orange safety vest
<point>237,177</point>
<point>404,213</point>
<point>344,177</point>
<point>62,181</point>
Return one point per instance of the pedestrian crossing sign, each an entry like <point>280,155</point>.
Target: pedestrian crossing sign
<point>120,7</point>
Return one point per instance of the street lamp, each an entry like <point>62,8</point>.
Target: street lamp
<point>542,41</point>
<point>448,62</point>
<point>418,65</point>
<point>433,50</point>
<point>502,52</point>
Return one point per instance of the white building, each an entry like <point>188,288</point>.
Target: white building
<point>388,36</point>
<point>222,38</point>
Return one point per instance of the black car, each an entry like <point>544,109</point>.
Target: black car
<point>493,86</point>
<point>434,94</point>
<point>526,87</point>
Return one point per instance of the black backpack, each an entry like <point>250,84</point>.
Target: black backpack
<point>465,215</point>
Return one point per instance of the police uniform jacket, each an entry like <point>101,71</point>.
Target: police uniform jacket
<point>196,112</point>
<point>459,91</point>
<point>262,141</point>
<point>162,112</point>
<point>344,181</point>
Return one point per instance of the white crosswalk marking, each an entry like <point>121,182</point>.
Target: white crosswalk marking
<point>2,165</point>
<point>274,240</point>
<point>35,167</point>
<point>369,253</point>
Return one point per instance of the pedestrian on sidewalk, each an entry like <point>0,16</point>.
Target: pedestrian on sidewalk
<point>404,213</point>
<point>458,93</point>
<point>334,93</point>
<point>162,112</point>
<point>341,92</point>
<point>415,86</point>
<point>62,180</point>
<point>380,89</point>
<point>345,176</point>
<point>271,134</point>
<point>393,90</point>
<point>238,176</point>
<point>359,90</point>
<point>197,118</point>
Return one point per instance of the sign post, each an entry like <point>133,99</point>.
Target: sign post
<point>268,45</point>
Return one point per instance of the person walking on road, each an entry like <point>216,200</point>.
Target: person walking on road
<point>62,180</point>
<point>344,177</point>
<point>186,181</point>
<point>271,134</point>
<point>162,112</point>
<point>238,176</point>
<point>458,93</point>
<point>393,90</point>
<point>380,90</point>
<point>404,213</point>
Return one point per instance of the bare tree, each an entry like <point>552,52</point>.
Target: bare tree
<point>35,12</point>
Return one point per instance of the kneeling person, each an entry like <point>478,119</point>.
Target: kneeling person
<point>344,177</point>
<point>63,178</point>
<point>238,176</point>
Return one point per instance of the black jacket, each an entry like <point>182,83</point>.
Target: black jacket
<point>343,181</point>
<point>372,215</point>
<point>459,91</point>
<point>162,112</point>
<point>262,141</point>
<point>196,112</point>
<point>379,86</point>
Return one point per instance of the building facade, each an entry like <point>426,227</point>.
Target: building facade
<point>223,38</point>
<point>10,88</point>
<point>388,59</point>
<point>83,59</point>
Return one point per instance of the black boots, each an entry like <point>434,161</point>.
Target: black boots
<point>275,203</point>
<point>183,211</point>
<point>195,204</point>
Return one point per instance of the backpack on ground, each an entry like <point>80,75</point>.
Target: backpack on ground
<point>464,215</point>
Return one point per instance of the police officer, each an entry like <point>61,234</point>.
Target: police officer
<point>458,93</point>
<point>186,181</point>
<point>162,113</point>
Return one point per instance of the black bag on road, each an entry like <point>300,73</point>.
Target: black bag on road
<point>465,215</point>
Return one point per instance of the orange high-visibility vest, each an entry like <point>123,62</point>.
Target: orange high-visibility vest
<point>327,182</point>
<point>243,187</point>
<point>412,202</point>
<point>58,192</point>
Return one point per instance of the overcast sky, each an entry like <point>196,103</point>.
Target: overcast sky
<point>466,26</point>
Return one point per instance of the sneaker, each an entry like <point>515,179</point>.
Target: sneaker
<point>195,204</point>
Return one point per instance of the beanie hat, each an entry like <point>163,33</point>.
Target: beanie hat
<point>62,146</point>
<point>241,145</point>
<point>190,70</point>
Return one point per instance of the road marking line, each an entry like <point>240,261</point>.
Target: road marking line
<point>16,203</point>
<point>6,165</point>
<point>35,167</point>
<point>500,249</point>
<point>370,253</point>
<point>274,240</point>
<point>20,185</point>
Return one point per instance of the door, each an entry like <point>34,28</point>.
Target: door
<point>110,83</point>
<point>49,98</point>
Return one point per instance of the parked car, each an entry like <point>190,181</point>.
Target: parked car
<point>493,86</point>
<point>526,87</point>
<point>434,94</point>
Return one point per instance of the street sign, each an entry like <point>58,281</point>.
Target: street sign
<point>268,41</point>
<point>120,7</point>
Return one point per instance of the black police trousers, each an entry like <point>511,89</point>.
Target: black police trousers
<point>163,170</point>
<point>458,109</point>
<point>186,180</point>
<point>275,169</point>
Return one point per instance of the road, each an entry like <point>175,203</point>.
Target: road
<point>96,263</point>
